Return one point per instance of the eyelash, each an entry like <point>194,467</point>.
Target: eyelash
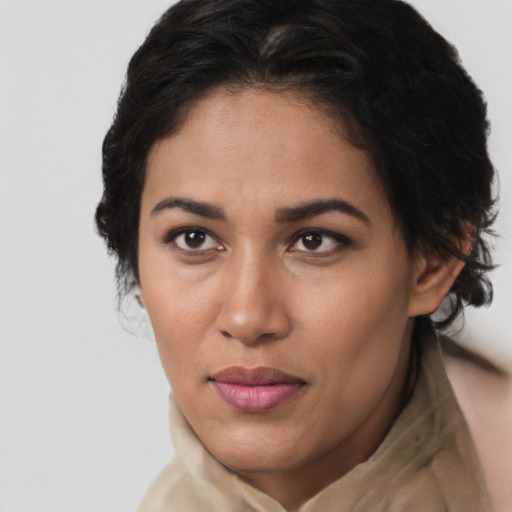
<point>171,237</point>
<point>341,242</point>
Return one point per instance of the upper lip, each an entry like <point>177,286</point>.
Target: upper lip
<point>260,376</point>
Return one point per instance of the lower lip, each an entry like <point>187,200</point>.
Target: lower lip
<point>256,398</point>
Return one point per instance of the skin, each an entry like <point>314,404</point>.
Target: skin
<point>338,316</point>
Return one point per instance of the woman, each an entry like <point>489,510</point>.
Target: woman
<point>293,189</point>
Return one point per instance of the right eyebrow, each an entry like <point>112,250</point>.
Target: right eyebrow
<point>200,208</point>
<point>318,207</point>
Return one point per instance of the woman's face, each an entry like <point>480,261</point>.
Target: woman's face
<point>277,283</point>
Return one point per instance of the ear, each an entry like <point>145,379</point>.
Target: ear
<point>432,278</point>
<point>137,293</point>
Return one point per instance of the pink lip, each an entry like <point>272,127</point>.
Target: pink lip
<point>255,390</point>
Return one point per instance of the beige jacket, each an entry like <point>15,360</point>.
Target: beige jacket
<point>426,463</point>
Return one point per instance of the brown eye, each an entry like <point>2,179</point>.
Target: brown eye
<point>194,239</point>
<point>320,243</point>
<point>312,241</point>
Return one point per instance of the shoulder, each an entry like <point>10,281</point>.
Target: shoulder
<point>485,398</point>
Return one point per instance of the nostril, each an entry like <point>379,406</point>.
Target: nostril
<point>267,335</point>
<point>250,338</point>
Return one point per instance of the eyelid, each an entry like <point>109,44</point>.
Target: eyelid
<point>342,241</point>
<point>171,236</point>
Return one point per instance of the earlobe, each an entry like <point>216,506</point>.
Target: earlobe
<point>137,293</point>
<point>433,277</point>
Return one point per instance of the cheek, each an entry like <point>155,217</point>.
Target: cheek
<point>173,295</point>
<point>356,325</point>
<point>358,300</point>
<point>182,314</point>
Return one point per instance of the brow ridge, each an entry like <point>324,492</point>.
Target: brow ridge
<point>318,207</point>
<point>200,208</point>
<point>283,215</point>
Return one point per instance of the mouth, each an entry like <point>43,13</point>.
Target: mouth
<point>255,390</point>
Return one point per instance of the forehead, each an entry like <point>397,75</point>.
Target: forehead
<point>265,147</point>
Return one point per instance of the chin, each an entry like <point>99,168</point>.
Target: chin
<point>248,453</point>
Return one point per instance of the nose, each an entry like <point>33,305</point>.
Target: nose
<point>253,303</point>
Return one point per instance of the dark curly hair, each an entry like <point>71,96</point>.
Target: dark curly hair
<point>376,66</point>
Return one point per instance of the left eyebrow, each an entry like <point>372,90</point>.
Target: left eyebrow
<point>200,208</point>
<point>317,207</point>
